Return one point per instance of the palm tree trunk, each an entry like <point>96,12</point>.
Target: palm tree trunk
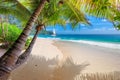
<point>23,57</point>
<point>10,57</point>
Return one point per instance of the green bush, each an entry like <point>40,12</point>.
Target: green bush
<point>28,42</point>
<point>11,34</point>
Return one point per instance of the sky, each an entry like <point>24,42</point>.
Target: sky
<point>98,26</point>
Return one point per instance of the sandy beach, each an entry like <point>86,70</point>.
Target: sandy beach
<point>100,59</point>
<point>47,53</point>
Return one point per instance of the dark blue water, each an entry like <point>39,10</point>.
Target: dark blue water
<point>98,38</point>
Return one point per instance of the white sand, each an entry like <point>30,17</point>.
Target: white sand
<point>44,47</point>
<point>100,59</point>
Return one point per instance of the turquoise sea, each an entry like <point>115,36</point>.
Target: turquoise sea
<point>103,40</point>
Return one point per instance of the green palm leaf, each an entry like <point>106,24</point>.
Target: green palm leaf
<point>99,8</point>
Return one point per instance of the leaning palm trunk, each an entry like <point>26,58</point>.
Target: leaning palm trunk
<point>9,59</point>
<point>23,57</point>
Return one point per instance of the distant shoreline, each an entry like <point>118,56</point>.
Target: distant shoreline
<point>96,43</point>
<point>106,41</point>
<point>109,45</point>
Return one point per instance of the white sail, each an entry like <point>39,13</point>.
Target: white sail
<point>54,32</point>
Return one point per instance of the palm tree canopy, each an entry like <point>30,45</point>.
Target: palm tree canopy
<point>104,9</point>
<point>99,8</point>
<point>53,13</point>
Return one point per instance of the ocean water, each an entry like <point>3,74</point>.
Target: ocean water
<point>109,41</point>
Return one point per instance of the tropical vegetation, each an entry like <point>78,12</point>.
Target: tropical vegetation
<point>9,33</point>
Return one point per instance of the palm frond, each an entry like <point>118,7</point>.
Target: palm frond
<point>72,13</point>
<point>99,8</point>
<point>53,14</point>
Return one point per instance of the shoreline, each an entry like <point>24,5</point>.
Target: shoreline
<point>111,45</point>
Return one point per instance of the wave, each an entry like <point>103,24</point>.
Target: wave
<point>52,38</point>
<point>95,43</point>
<point>101,44</point>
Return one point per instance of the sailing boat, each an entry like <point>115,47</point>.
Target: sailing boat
<point>54,32</point>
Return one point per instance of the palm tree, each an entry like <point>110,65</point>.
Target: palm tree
<point>24,56</point>
<point>11,56</point>
<point>52,18</point>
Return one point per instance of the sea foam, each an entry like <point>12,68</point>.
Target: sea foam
<point>101,44</point>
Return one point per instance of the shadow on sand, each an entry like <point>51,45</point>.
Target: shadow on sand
<point>39,68</point>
